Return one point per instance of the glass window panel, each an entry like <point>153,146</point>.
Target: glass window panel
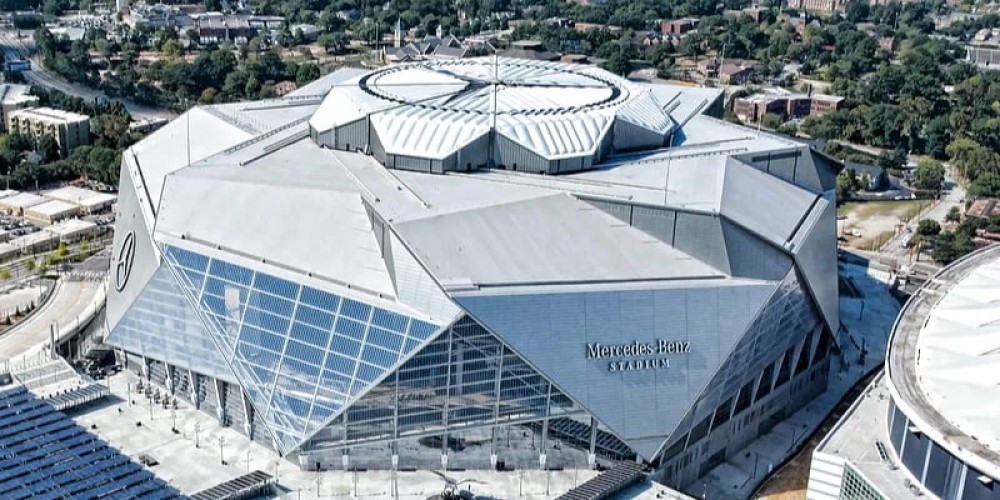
<point>346,346</point>
<point>219,288</point>
<point>300,371</point>
<point>377,356</point>
<point>188,259</point>
<point>389,320</point>
<point>350,328</point>
<point>304,352</point>
<point>194,278</point>
<point>329,398</point>
<point>254,355</point>
<point>261,338</point>
<point>293,386</point>
<point>340,364</point>
<point>320,319</point>
<point>369,373</point>
<point>277,286</point>
<point>214,304</point>
<point>384,338</point>
<point>319,299</point>
<point>335,381</point>
<point>271,304</point>
<point>309,335</point>
<point>292,405</point>
<point>231,272</point>
<point>421,330</point>
<point>356,310</point>
<point>411,344</point>
<point>320,414</point>
<point>263,320</point>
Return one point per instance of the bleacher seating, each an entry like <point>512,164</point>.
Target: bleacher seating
<point>45,455</point>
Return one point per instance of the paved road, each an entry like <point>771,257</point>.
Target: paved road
<point>952,197</point>
<point>69,300</point>
<point>24,47</point>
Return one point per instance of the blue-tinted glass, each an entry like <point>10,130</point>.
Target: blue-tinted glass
<point>188,259</point>
<point>384,338</point>
<point>335,381</point>
<point>346,346</point>
<point>256,356</point>
<point>377,356</point>
<point>309,334</point>
<point>389,320</point>
<point>261,338</point>
<point>314,317</point>
<point>271,303</point>
<point>369,373</point>
<point>329,399</point>
<point>297,406</point>
<point>231,272</point>
<point>194,278</point>
<point>275,285</point>
<point>356,310</point>
<point>219,288</point>
<point>319,299</point>
<point>261,319</point>
<point>411,344</point>
<point>421,330</point>
<point>320,413</point>
<point>304,352</point>
<point>350,328</point>
<point>263,375</point>
<point>214,304</point>
<point>300,371</point>
<point>340,364</point>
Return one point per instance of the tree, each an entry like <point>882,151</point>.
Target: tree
<point>847,184</point>
<point>987,184</point>
<point>617,64</point>
<point>954,215</point>
<point>306,73</point>
<point>929,175</point>
<point>771,121</point>
<point>47,148</point>
<point>62,250</point>
<point>928,227</point>
<point>5,274</point>
<point>29,265</point>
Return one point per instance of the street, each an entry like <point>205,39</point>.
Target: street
<point>24,48</point>
<point>952,196</point>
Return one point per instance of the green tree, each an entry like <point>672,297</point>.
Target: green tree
<point>29,265</point>
<point>928,227</point>
<point>5,274</point>
<point>847,184</point>
<point>987,184</point>
<point>306,73</point>
<point>62,250</point>
<point>770,121</point>
<point>618,64</point>
<point>954,215</point>
<point>928,175</point>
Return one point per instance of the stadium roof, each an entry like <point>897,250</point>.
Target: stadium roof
<point>944,360</point>
<point>268,162</point>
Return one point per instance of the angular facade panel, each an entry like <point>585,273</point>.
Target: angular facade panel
<point>816,255</point>
<point>161,324</point>
<point>133,256</point>
<point>300,353</point>
<point>633,358</point>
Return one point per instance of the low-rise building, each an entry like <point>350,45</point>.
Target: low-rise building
<point>39,241</point>
<point>238,29</point>
<point>16,204</point>
<point>72,230</point>
<point>787,106</point>
<point>90,202</point>
<point>679,26</point>
<point>529,49</point>
<point>14,97</point>
<point>68,129</point>
<point>824,7</point>
<point>50,212</point>
<point>735,73</point>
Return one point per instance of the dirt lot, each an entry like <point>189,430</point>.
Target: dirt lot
<point>867,225</point>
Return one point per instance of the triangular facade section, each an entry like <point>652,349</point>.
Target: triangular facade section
<point>300,353</point>
<point>133,255</point>
<point>635,359</point>
<point>162,324</point>
<point>815,252</point>
<point>465,378</point>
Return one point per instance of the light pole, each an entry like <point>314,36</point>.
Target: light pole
<point>248,461</point>
<point>173,420</point>
<point>197,428</point>
<point>222,443</point>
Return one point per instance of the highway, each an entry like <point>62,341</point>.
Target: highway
<point>24,48</point>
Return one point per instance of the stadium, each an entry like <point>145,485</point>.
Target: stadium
<point>477,264</point>
<point>942,371</point>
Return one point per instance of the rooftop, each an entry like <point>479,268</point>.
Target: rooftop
<point>52,208</point>
<point>23,200</point>
<point>944,359</point>
<point>49,115</point>
<point>70,227</point>
<point>80,196</point>
<point>16,94</point>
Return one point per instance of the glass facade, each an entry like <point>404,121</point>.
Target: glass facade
<point>300,353</point>
<point>464,379</point>
<point>161,324</point>
<point>855,487</point>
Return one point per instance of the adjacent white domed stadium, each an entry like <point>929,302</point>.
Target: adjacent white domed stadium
<point>479,263</point>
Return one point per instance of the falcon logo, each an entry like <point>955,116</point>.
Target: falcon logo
<point>126,253</point>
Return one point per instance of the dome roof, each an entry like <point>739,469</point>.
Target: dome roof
<point>462,114</point>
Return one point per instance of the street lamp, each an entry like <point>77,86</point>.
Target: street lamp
<point>222,443</point>
<point>197,428</point>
